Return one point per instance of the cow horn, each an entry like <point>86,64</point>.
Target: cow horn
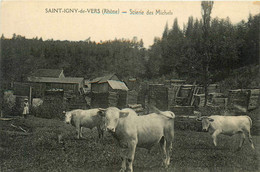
<point>211,120</point>
<point>101,109</point>
<point>101,112</point>
<point>199,119</point>
<point>197,113</point>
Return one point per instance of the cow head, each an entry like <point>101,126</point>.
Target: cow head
<point>205,122</point>
<point>68,116</point>
<point>111,117</point>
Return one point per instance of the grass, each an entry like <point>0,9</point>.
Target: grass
<point>40,151</point>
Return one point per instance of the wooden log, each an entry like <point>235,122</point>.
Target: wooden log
<point>15,133</point>
<point>6,119</point>
<point>134,105</point>
<point>20,128</point>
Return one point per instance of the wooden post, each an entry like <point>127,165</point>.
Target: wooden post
<point>30,96</point>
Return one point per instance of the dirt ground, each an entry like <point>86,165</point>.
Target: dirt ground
<point>38,149</point>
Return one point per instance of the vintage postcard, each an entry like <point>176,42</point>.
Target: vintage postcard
<point>129,85</point>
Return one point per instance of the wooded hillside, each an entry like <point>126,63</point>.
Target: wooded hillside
<point>178,54</point>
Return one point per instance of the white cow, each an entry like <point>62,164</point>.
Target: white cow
<point>228,125</point>
<point>84,118</point>
<point>133,131</point>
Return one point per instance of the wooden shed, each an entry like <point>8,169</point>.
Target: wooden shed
<point>48,79</point>
<point>108,91</point>
<point>52,73</point>
<point>41,84</point>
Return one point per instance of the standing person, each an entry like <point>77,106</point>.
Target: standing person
<point>25,108</point>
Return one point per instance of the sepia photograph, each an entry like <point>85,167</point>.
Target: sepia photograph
<point>129,86</point>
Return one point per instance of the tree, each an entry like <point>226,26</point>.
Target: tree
<point>206,8</point>
<point>171,49</point>
<point>166,31</point>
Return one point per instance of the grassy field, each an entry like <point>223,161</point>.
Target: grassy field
<point>40,150</point>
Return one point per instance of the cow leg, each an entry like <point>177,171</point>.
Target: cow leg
<point>214,136</point>
<point>168,153</point>
<point>78,132</point>
<point>100,132</point>
<point>123,166</point>
<point>81,129</point>
<point>250,138</point>
<point>123,153</point>
<point>242,139</point>
<point>130,156</point>
<point>163,150</point>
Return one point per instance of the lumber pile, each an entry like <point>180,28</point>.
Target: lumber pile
<point>158,96</point>
<point>238,98</point>
<point>132,97</point>
<point>183,110</point>
<point>137,108</point>
<point>254,99</point>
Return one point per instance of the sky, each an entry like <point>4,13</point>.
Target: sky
<point>79,20</point>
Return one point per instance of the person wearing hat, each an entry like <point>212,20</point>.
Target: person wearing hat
<point>25,108</point>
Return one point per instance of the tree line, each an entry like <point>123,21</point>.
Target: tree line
<point>179,53</point>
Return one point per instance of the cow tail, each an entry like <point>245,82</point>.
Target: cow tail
<point>250,121</point>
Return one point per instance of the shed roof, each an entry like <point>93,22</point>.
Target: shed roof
<point>117,85</point>
<point>68,80</point>
<point>102,79</point>
<point>52,73</point>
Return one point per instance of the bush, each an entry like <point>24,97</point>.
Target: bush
<point>9,102</point>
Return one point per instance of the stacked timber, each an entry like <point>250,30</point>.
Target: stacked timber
<point>238,99</point>
<point>132,97</point>
<point>143,91</point>
<point>220,102</point>
<point>173,86</point>
<point>21,89</point>
<point>112,99</point>
<point>186,94</point>
<point>174,82</point>
<point>78,102</point>
<point>254,99</point>
<point>199,100</point>
<point>69,94</point>
<point>196,90</point>
<point>213,88</point>
<point>53,95</point>
<point>188,120</point>
<point>185,90</point>
<point>217,99</point>
<point>137,108</point>
<point>158,96</point>
<point>172,95</point>
<point>104,100</point>
<point>122,99</point>
<point>182,110</point>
